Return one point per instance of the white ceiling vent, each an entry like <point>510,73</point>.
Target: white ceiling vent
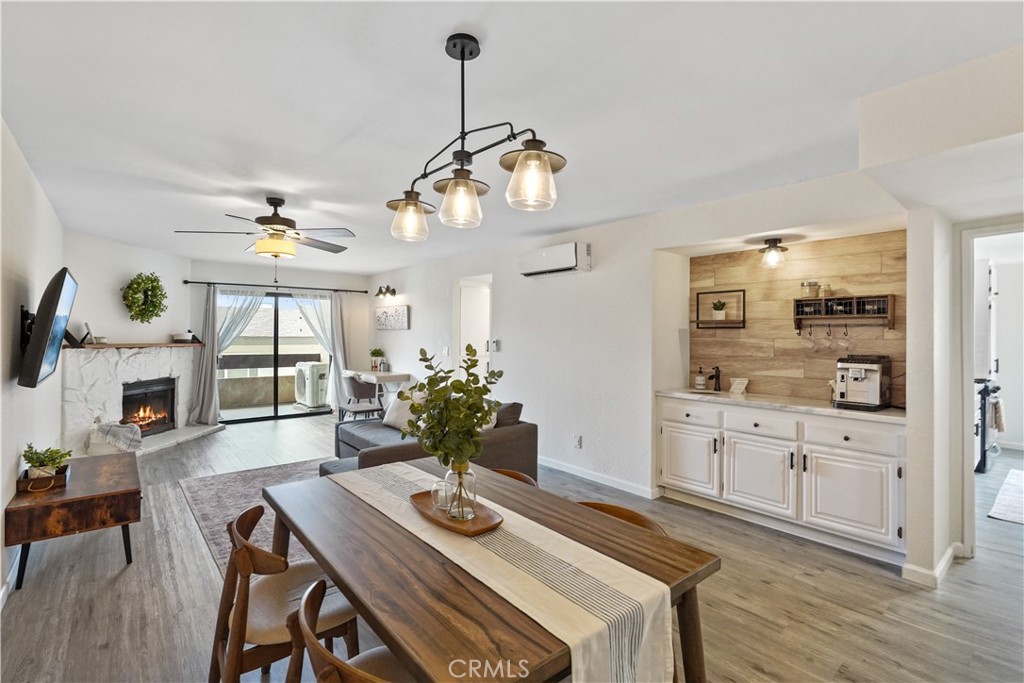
<point>560,258</point>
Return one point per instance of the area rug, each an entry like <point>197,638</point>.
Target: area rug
<point>1009,503</point>
<point>217,499</point>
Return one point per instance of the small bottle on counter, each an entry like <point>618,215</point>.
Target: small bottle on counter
<point>825,290</point>
<point>700,381</point>
<point>809,289</point>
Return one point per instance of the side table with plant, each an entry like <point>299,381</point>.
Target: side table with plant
<point>448,416</point>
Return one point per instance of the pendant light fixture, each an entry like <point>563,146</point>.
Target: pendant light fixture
<point>531,188</point>
<point>773,257</point>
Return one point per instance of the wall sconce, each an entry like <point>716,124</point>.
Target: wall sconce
<point>386,290</point>
<point>773,257</point>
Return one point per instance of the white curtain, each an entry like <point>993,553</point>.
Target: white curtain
<point>321,310</point>
<point>241,305</point>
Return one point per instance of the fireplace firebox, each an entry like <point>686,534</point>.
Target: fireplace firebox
<point>149,404</point>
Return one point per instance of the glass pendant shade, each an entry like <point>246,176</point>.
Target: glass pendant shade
<point>461,205</point>
<point>275,246</point>
<point>532,187</point>
<point>410,224</point>
<point>773,258</point>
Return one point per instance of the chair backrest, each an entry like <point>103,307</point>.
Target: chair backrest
<point>245,560</point>
<point>358,389</point>
<point>326,667</point>
<point>512,474</point>
<point>626,515</point>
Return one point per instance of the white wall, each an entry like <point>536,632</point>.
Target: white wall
<point>32,252</point>
<point>102,267</point>
<point>1009,333</point>
<point>354,306</point>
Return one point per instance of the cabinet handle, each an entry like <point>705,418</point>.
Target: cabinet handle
<point>714,445</point>
<point>792,459</point>
<point>756,424</point>
<point>687,415</point>
<point>846,438</point>
<point>805,462</point>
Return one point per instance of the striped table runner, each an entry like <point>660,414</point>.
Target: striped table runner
<point>616,620</point>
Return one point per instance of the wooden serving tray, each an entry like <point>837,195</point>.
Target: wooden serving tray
<point>40,484</point>
<point>485,520</point>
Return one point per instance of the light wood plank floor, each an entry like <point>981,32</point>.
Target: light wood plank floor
<point>781,609</point>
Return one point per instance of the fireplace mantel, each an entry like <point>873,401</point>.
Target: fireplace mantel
<point>135,345</point>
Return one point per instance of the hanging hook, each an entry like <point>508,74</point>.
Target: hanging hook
<point>846,330</point>
<point>810,332</point>
<point>829,333</point>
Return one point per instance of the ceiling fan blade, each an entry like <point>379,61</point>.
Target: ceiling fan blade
<point>329,232</point>
<point>318,244</point>
<point>251,247</point>
<point>217,232</point>
<point>241,218</point>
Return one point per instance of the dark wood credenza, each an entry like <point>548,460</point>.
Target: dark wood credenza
<point>103,491</point>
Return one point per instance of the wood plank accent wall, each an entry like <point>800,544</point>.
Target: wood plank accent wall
<point>768,351</point>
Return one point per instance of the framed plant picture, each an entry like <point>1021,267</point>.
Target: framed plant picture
<point>393,318</point>
<point>727,308</point>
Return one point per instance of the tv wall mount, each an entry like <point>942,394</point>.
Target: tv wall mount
<point>27,323</point>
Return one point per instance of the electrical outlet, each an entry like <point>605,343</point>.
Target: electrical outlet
<point>577,441</point>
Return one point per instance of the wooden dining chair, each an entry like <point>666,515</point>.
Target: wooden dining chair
<point>525,478</point>
<point>373,666</point>
<point>260,597</point>
<point>641,520</point>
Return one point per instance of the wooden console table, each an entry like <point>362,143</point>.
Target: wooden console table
<point>103,491</point>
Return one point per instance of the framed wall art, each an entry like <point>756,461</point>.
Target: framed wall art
<point>393,318</point>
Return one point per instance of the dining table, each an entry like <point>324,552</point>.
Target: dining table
<point>430,612</point>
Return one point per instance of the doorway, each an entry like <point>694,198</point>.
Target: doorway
<point>275,368</point>
<point>475,319</point>
<point>993,379</point>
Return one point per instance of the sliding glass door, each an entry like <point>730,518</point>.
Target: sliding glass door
<point>275,368</point>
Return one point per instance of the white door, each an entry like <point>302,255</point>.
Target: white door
<point>853,493</point>
<point>690,458</point>
<point>475,318</point>
<point>760,474</point>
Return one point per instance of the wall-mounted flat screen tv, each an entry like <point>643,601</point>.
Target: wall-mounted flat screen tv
<point>46,330</point>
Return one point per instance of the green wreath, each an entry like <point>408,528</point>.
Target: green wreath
<point>144,297</point>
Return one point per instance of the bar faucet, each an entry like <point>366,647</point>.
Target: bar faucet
<point>717,376</point>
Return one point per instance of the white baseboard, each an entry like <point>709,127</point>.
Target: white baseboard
<point>930,578</point>
<point>10,579</point>
<point>628,487</point>
<point>960,550</point>
<point>1013,445</point>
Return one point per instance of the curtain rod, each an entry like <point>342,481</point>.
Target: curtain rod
<point>246,284</point>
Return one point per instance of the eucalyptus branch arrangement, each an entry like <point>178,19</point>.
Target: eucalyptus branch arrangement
<point>449,413</point>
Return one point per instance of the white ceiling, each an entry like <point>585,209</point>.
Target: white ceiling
<point>142,118</point>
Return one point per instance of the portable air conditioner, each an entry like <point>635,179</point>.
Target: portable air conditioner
<point>311,384</point>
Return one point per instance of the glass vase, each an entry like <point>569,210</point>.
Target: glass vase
<point>460,487</point>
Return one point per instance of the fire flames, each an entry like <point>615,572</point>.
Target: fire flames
<point>145,415</point>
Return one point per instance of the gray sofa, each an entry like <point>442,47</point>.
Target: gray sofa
<point>511,444</point>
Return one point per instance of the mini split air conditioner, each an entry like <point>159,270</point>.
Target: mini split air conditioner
<point>560,258</point>
<point>311,384</point>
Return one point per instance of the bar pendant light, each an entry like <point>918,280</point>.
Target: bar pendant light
<point>531,188</point>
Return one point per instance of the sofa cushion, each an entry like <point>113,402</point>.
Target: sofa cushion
<point>399,412</point>
<point>362,434</point>
<point>509,414</point>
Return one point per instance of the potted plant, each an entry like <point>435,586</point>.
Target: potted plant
<point>448,415</point>
<point>376,358</point>
<point>42,465</point>
<point>718,310</point>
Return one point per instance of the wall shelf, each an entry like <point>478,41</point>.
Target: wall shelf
<point>878,309</point>
<point>134,345</point>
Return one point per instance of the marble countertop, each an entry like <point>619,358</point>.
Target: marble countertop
<point>788,403</point>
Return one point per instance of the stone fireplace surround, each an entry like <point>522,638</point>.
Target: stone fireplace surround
<point>92,380</point>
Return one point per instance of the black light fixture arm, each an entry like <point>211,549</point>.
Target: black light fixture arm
<point>466,158</point>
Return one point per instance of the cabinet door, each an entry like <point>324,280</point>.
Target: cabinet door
<point>690,458</point>
<point>853,494</point>
<point>760,474</point>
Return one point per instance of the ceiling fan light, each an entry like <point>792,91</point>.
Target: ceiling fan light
<point>275,246</point>
<point>532,186</point>
<point>461,205</point>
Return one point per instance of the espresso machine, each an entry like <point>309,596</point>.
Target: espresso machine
<point>863,383</point>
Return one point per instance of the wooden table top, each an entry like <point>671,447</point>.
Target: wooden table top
<point>427,609</point>
<point>91,476</point>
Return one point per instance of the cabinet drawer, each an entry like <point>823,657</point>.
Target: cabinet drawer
<point>774,424</point>
<point>856,434</point>
<point>690,412</point>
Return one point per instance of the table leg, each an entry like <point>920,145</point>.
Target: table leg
<point>690,637</point>
<point>126,536</point>
<point>22,563</point>
<point>281,537</point>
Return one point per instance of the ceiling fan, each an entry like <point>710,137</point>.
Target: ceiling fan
<point>280,234</point>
